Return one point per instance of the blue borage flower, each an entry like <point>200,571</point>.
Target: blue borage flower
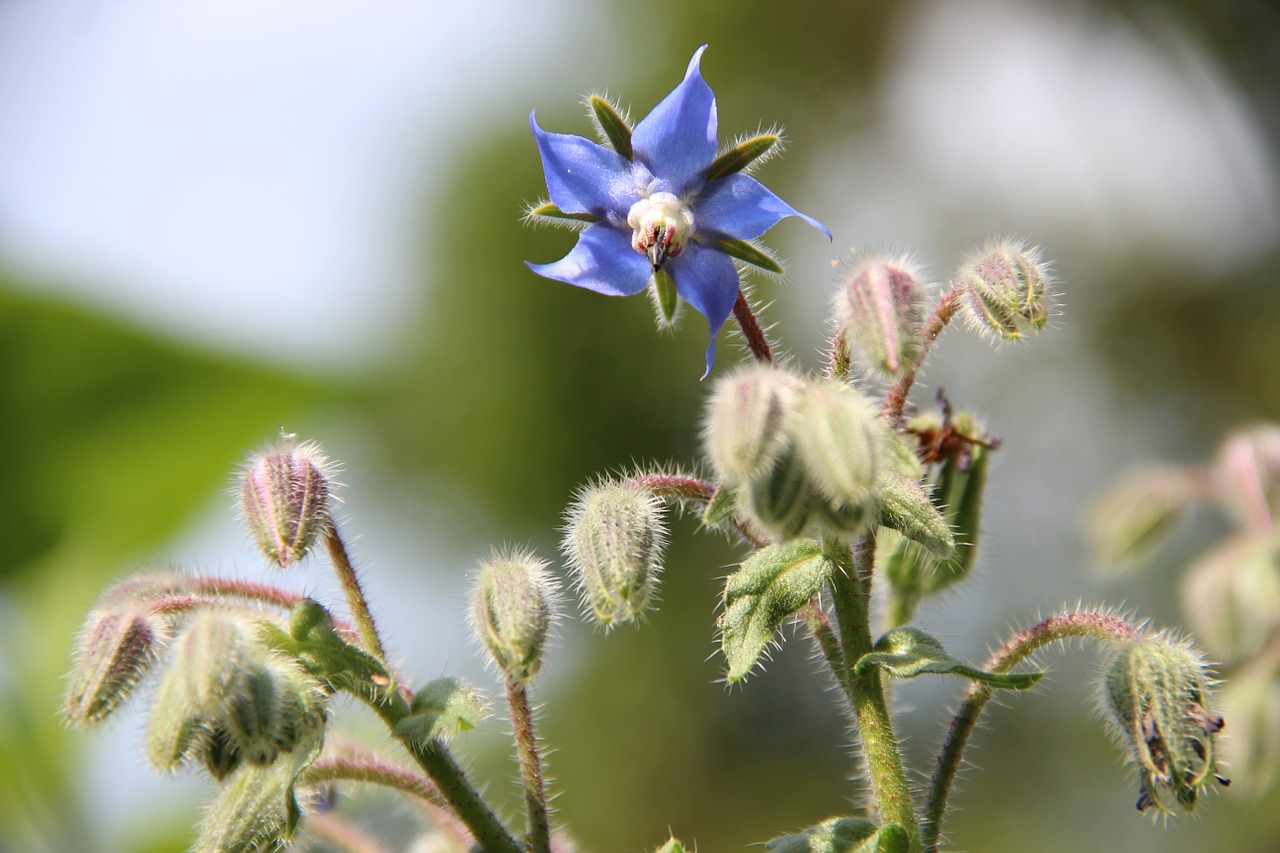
<point>659,207</point>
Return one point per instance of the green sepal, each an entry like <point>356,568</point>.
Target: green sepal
<point>721,506</point>
<point>908,652</point>
<point>612,125</point>
<point>744,251</point>
<point>672,846</point>
<point>839,835</point>
<point>742,155</point>
<point>443,708</point>
<point>547,213</point>
<point>770,586</point>
<point>779,500</point>
<point>906,508</point>
<point>665,295</point>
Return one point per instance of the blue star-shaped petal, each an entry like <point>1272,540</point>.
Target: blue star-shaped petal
<point>659,200</point>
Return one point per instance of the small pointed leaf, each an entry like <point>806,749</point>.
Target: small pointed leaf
<point>744,251</point>
<point>720,507</point>
<point>742,155</point>
<point>612,125</point>
<point>664,290</point>
<point>834,835</point>
<point>442,709</point>
<point>907,652</point>
<point>905,507</point>
<point>772,584</point>
<point>546,213</point>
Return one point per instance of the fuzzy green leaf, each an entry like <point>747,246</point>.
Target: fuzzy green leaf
<point>744,251</point>
<point>771,585</point>
<point>905,507</point>
<point>612,125</point>
<point>907,652</point>
<point>835,835</point>
<point>442,709</point>
<point>742,155</point>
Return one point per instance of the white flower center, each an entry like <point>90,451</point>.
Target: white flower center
<point>660,226</point>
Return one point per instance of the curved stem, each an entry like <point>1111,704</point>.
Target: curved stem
<point>535,794</point>
<point>896,398</point>
<point>691,488</point>
<point>1095,625</point>
<point>356,601</point>
<point>756,340</point>
<point>450,780</point>
<point>851,592</point>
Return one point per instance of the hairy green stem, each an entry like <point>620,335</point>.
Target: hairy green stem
<point>757,342</point>
<point>819,624</point>
<point>851,593</point>
<point>535,794</point>
<point>1090,624</point>
<point>356,601</point>
<point>443,769</point>
<point>896,398</point>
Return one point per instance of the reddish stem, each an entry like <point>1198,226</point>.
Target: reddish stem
<point>896,398</point>
<point>756,340</point>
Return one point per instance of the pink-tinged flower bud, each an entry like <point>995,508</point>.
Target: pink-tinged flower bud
<point>749,419</point>
<point>614,540</point>
<point>512,609</point>
<point>1007,289</point>
<point>1248,476</point>
<point>285,499</point>
<point>1156,696</point>
<point>1231,595</point>
<point>116,651</point>
<point>881,309</point>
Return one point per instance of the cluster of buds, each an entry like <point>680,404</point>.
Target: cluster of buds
<point>1156,696</point>
<point>798,455</point>
<point>614,537</point>
<point>1008,290</point>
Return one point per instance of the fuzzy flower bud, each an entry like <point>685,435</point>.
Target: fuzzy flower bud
<point>614,540</point>
<point>1248,475</point>
<point>117,648</point>
<point>748,421</point>
<point>881,309</point>
<point>512,608</point>
<point>285,499</point>
<point>1007,288</point>
<point>840,440</point>
<point>1156,696</point>
<point>1231,595</point>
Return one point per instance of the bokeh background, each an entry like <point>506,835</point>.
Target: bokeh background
<point>221,218</point>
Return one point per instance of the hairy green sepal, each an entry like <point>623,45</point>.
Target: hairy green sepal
<point>442,709</point>
<point>612,125</point>
<point>744,251</point>
<point>742,155</point>
<point>547,212</point>
<point>720,508</point>
<point>843,835</point>
<point>664,288</point>
<point>316,644</point>
<point>907,652</point>
<point>770,586</point>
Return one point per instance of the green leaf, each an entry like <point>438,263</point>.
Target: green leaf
<point>672,846</point>
<point>720,508</point>
<point>906,508</point>
<point>442,709</point>
<point>772,584</point>
<point>744,251</point>
<point>834,835</point>
<point>907,652</point>
<point>742,155</point>
<point>546,213</point>
<point>612,125</point>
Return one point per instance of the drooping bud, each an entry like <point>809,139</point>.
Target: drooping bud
<point>1007,289</point>
<point>208,656</point>
<point>749,419</point>
<point>270,707</point>
<point>614,541</point>
<point>285,499</point>
<point>1248,476</point>
<point>1231,595</point>
<point>1137,515</point>
<point>780,499</point>
<point>840,439</point>
<point>881,308</point>
<point>116,650</point>
<point>512,608</point>
<point>1156,696</point>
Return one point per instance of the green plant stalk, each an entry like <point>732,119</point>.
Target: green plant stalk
<point>851,594</point>
<point>391,705</point>
<point>535,794</point>
<point>1090,624</point>
<point>356,601</point>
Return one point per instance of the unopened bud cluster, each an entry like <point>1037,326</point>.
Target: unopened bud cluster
<point>613,539</point>
<point>1156,695</point>
<point>798,454</point>
<point>285,497</point>
<point>512,609</point>
<point>1007,290</point>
